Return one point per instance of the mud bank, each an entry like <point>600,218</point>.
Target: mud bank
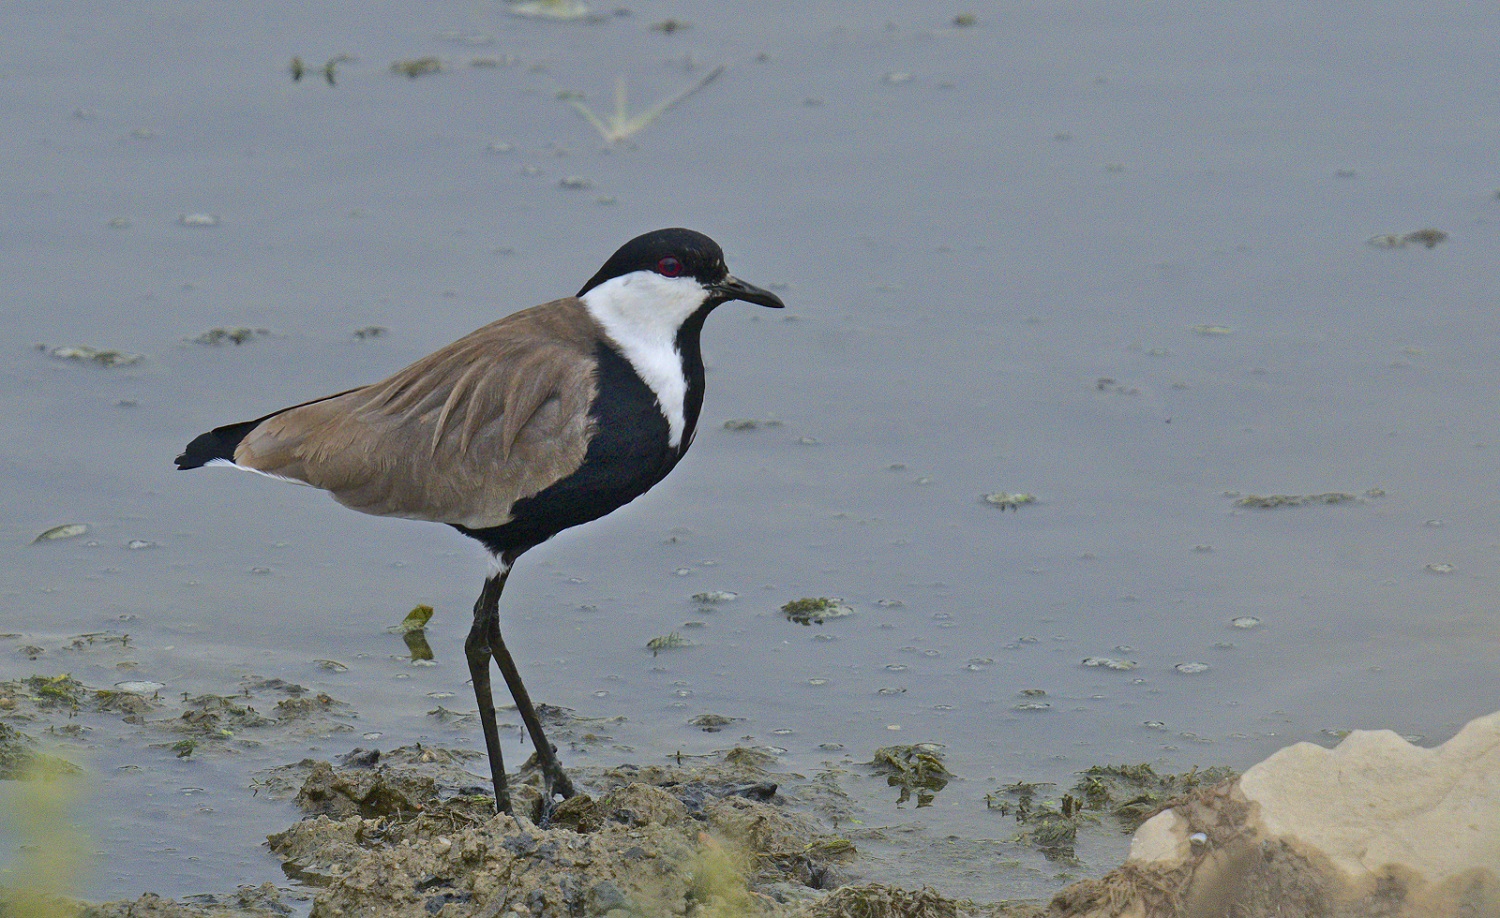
<point>1376,826</point>
<point>410,833</point>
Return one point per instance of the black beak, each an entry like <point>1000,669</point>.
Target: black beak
<point>732,288</point>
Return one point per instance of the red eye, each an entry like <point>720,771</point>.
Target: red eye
<point>669,267</point>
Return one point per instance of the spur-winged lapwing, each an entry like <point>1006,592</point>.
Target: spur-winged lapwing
<point>548,418</point>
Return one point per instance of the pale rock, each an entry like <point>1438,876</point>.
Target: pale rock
<point>1373,827</point>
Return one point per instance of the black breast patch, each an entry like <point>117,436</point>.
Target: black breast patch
<point>628,454</point>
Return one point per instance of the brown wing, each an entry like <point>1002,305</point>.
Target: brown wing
<point>457,437</point>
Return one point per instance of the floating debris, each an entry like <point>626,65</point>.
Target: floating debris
<point>417,66</point>
<point>917,768</point>
<point>417,646</point>
<point>715,597</point>
<point>809,611</point>
<point>1192,669</point>
<point>198,221</point>
<point>1110,663</point>
<point>896,78</point>
<point>1212,330</point>
<point>1424,237</point>
<point>622,126</point>
<point>1274,501</point>
<point>1133,793</point>
<point>140,544</point>
<point>965,20</point>
<point>65,531</point>
<point>1114,386</point>
<point>371,331</point>
<point>139,687</point>
<point>668,26</point>
<point>671,641</point>
<point>415,620</point>
<point>333,666</point>
<point>51,691</point>
<point>330,68</point>
<point>104,357</point>
<point>1053,831</point>
<point>1439,568</point>
<point>1245,622</point>
<point>575,183</point>
<point>560,10</point>
<point>234,334</point>
<point>1007,501</point>
<point>1128,793</point>
<point>713,723</point>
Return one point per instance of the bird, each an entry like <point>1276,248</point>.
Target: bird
<point>546,419</point>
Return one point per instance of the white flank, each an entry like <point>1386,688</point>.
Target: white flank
<point>642,312</point>
<point>225,463</point>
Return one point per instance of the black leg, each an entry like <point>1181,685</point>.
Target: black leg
<point>477,649</point>
<point>557,781</point>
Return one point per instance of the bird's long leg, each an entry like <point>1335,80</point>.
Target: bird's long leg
<point>557,779</point>
<point>477,649</point>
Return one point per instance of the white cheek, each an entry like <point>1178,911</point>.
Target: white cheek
<point>642,312</point>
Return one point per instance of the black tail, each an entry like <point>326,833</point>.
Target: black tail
<point>218,443</point>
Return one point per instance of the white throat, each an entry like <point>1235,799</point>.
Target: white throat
<point>642,312</point>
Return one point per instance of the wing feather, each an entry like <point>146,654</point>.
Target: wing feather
<point>457,437</point>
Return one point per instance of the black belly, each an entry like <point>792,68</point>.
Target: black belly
<point>629,453</point>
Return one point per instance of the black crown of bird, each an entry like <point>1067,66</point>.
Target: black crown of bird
<point>546,419</point>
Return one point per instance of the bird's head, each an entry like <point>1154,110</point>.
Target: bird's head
<point>661,278</point>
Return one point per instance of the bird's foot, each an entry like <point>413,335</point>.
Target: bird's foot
<point>560,785</point>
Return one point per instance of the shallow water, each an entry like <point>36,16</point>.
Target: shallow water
<point>995,242</point>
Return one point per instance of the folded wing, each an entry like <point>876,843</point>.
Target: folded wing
<point>457,437</point>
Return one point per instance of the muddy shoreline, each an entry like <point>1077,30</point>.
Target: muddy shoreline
<point>411,830</point>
